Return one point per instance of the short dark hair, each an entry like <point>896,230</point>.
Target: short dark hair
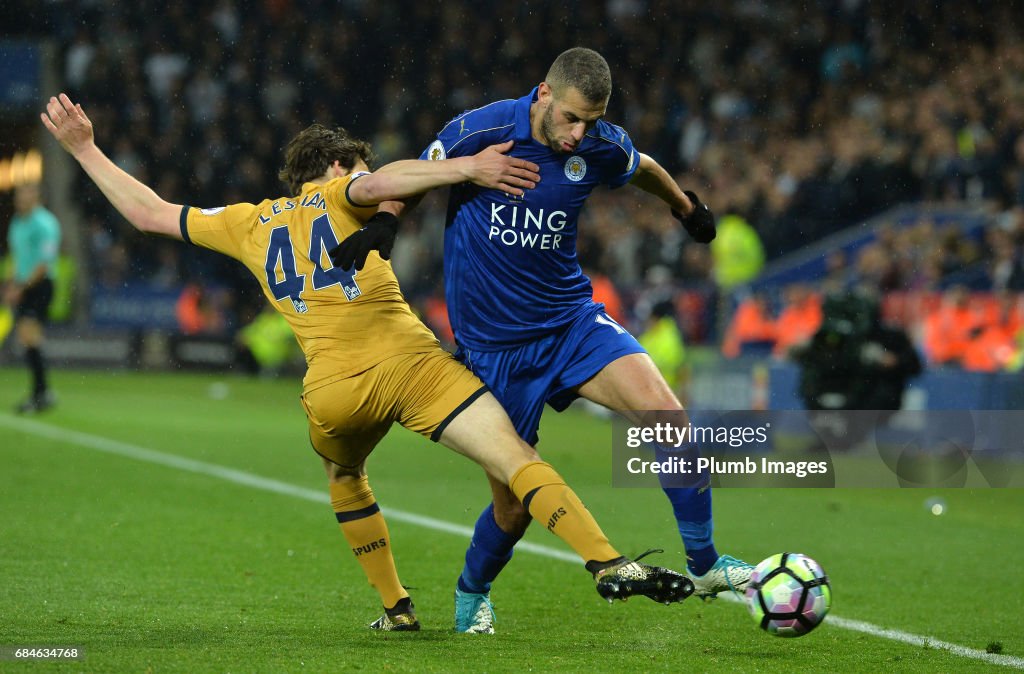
<point>314,149</point>
<point>584,70</point>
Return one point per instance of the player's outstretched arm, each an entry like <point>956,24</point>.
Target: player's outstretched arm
<point>696,217</point>
<point>492,167</point>
<point>140,205</point>
<point>405,180</point>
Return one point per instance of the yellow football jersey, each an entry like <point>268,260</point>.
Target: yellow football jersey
<point>345,322</point>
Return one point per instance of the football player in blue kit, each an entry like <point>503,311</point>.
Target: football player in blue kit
<point>523,311</point>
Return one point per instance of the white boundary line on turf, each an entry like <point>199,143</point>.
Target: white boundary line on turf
<point>247,479</point>
<point>275,486</point>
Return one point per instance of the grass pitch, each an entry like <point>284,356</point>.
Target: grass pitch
<point>156,567</point>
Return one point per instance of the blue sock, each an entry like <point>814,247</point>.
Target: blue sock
<point>692,509</point>
<point>488,553</point>
<point>690,497</point>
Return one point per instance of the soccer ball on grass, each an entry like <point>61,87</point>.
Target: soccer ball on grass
<point>789,594</point>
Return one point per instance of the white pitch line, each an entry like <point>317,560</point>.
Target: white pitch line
<point>912,639</point>
<point>247,479</point>
<point>130,451</point>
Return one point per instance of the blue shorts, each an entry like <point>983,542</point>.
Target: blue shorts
<point>547,370</point>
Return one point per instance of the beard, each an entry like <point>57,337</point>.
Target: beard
<point>547,129</point>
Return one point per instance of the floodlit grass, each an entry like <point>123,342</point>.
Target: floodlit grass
<point>153,568</point>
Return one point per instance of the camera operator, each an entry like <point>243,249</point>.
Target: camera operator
<point>855,362</point>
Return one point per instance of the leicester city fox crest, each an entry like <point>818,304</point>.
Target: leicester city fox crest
<point>575,168</point>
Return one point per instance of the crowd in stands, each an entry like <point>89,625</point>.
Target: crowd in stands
<point>792,120</point>
<point>958,293</point>
<point>978,332</point>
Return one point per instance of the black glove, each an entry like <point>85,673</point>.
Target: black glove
<point>700,223</point>
<point>377,234</point>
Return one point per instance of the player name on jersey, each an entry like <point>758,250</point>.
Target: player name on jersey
<point>314,200</point>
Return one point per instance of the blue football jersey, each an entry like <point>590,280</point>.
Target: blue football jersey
<point>511,273</point>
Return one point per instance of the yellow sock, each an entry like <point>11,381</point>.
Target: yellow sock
<point>367,534</point>
<point>554,505</point>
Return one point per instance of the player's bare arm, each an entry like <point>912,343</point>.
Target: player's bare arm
<point>140,205</point>
<point>696,217</point>
<point>491,168</point>
<point>651,177</point>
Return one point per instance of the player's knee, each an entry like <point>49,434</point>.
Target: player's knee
<point>340,474</point>
<point>528,452</point>
<point>512,516</point>
<point>513,454</point>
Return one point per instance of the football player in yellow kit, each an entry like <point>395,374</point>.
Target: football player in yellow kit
<point>370,361</point>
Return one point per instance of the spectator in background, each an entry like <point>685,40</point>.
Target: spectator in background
<point>751,329</point>
<point>888,362</point>
<point>852,113</point>
<point>830,367</point>
<point>664,344</point>
<point>266,344</point>
<point>604,290</point>
<point>1006,268</point>
<point>606,294</point>
<point>34,242</point>
<point>994,345</point>
<point>1014,173</point>
<point>799,320</point>
<point>949,328</point>
<point>854,361</point>
<point>877,269</point>
<point>737,252</point>
<point>200,312</point>
<point>659,287</point>
<point>839,277</point>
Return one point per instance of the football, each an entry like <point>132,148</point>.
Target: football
<point>789,594</point>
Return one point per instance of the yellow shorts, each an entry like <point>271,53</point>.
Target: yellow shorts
<point>422,391</point>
